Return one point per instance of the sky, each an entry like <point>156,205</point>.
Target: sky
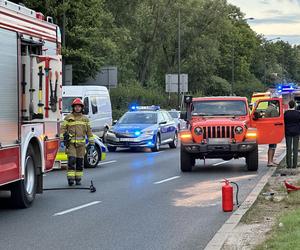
<point>273,18</point>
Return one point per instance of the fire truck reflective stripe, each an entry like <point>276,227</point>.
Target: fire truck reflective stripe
<point>9,165</point>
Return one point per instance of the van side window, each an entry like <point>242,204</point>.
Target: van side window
<point>94,104</point>
<point>86,106</point>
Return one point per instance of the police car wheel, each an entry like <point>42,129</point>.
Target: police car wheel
<point>23,192</point>
<point>112,149</point>
<point>174,143</point>
<point>91,160</point>
<point>156,147</point>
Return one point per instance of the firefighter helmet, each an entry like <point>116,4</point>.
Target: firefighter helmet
<point>77,101</point>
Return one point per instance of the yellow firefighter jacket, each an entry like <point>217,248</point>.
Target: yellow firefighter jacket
<point>78,127</point>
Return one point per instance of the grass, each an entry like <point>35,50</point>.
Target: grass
<point>286,236</point>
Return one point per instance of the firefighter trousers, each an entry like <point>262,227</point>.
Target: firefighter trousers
<point>75,161</point>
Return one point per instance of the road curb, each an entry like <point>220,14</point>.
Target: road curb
<point>217,242</point>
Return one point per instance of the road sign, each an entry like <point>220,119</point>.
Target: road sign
<point>172,83</point>
<point>107,76</point>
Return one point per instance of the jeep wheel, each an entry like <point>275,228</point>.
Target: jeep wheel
<point>252,160</point>
<point>186,161</point>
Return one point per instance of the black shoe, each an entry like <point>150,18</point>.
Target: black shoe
<point>78,182</point>
<point>71,182</point>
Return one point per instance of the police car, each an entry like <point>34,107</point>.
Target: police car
<point>143,127</point>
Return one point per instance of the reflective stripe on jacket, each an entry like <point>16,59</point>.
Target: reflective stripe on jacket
<point>78,127</point>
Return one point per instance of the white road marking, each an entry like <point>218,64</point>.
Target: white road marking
<point>106,162</point>
<point>165,180</point>
<point>220,163</point>
<point>77,208</point>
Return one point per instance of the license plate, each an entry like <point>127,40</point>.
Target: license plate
<point>218,141</point>
<point>129,139</point>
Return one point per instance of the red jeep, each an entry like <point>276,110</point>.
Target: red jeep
<point>223,127</point>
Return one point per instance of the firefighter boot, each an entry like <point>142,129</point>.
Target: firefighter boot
<point>79,170</point>
<point>71,170</point>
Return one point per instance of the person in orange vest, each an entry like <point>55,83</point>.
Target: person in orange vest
<point>76,127</point>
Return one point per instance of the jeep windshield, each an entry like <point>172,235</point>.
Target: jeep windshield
<point>219,108</point>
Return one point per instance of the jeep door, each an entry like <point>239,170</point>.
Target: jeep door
<point>268,118</point>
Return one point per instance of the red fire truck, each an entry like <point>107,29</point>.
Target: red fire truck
<point>30,100</point>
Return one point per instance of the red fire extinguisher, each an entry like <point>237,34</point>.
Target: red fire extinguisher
<point>227,196</point>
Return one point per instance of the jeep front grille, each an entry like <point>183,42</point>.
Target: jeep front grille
<point>218,132</point>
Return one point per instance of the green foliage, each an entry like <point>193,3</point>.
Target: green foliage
<point>140,38</point>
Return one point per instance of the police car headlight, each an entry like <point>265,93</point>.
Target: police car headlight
<point>238,130</point>
<point>148,132</point>
<point>198,131</point>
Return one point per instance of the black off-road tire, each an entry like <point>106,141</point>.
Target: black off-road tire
<point>252,160</point>
<point>186,161</point>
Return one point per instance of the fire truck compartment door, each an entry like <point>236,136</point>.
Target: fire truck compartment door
<point>8,88</point>
<point>268,118</point>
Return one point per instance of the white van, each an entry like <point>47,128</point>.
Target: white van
<point>97,105</point>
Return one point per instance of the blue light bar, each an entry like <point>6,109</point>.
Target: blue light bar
<point>145,108</point>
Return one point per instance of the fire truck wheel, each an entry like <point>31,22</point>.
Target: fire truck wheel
<point>252,160</point>
<point>186,161</point>
<point>156,147</point>
<point>91,159</point>
<point>174,143</point>
<point>23,192</point>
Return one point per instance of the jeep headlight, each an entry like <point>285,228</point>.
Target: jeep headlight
<point>238,130</point>
<point>198,131</point>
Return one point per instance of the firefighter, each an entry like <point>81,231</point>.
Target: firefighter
<point>75,128</point>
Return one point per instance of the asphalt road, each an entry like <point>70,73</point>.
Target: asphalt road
<point>143,201</point>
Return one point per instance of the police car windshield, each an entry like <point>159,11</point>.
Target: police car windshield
<point>174,114</point>
<point>67,104</point>
<point>219,108</point>
<point>139,118</point>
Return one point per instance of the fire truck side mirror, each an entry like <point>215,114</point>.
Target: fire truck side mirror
<point>188,99</point>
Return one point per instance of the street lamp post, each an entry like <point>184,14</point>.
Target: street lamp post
<point>233,59</point>
<point>179,58</point>
<point>265,66</point>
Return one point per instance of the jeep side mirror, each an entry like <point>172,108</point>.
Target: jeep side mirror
<point>115,122</point>
<point>183,115</point>
<point>256,115</point>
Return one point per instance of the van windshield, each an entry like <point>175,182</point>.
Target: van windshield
<point>220,108</point>
<point>67,104</point>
